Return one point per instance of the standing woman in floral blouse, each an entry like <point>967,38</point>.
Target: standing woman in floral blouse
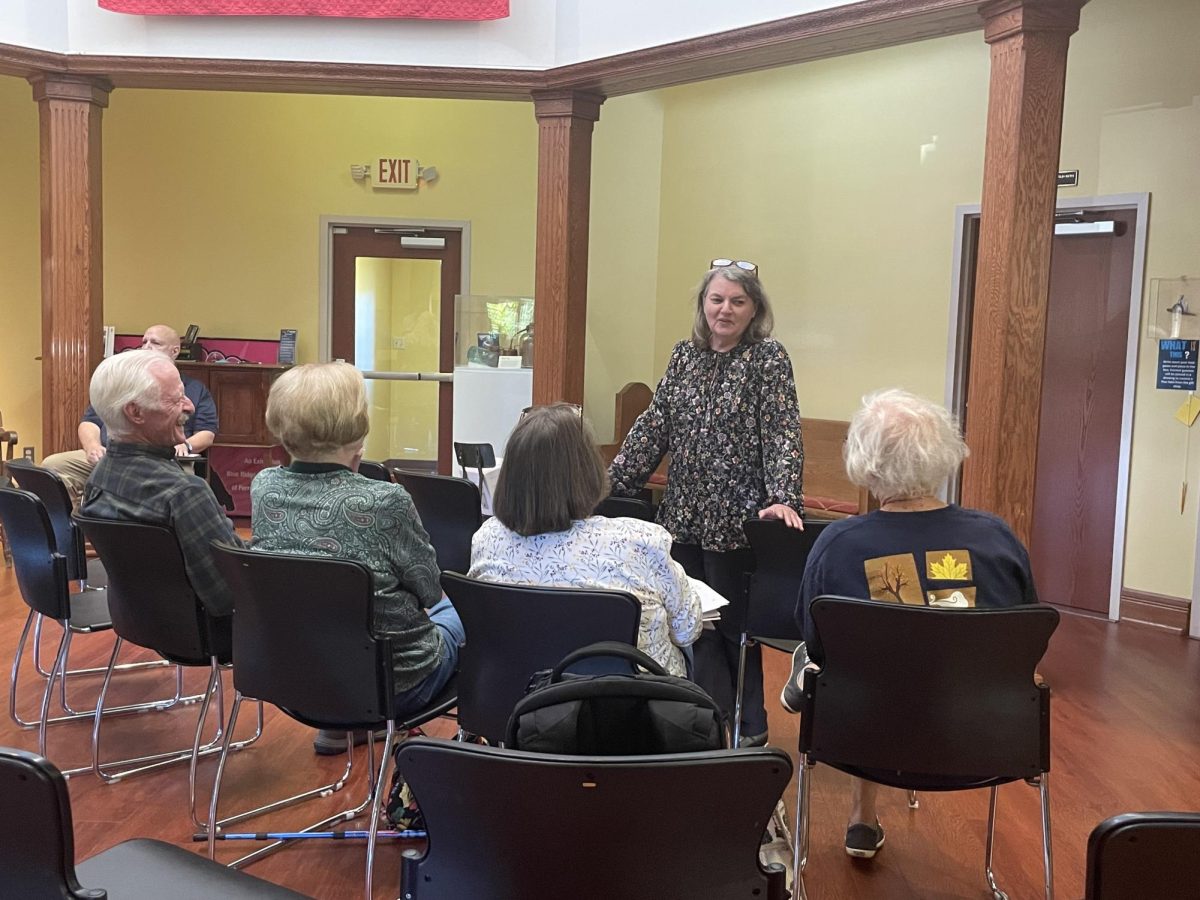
<point>726,411</point>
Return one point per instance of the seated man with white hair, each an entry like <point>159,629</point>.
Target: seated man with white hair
<point>199,432</point>
<point>141,400</point>
<point>914,549</point>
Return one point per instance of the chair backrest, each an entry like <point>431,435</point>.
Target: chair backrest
<point>503,823</point>
<point>150,599</point>
<point>927,693</point>
<point>41,569</point>
<point>1149,854</point>
<point>450,511</point>
<point>513,631</point>
<point>780,554</point>
<point>374,470</point>
<point>628,507</point>
<point>302,637</point>
<point>37,844</point>
<point>474,456</point>
<point>54,495</point>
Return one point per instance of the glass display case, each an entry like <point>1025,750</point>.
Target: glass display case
<point>493,367</point>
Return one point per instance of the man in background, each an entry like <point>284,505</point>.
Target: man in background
<point>199,432</point>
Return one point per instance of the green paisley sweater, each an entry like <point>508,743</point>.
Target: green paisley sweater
<point>327,510</point>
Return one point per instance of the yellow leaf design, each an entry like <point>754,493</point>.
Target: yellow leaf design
<point>948,568</point>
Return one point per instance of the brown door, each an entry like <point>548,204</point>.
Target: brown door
<point>392,311</point>
<point>1083,387</point>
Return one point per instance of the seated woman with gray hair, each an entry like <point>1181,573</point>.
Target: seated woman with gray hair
<point>543,533</point>
<point>915,549</point>
<point>320,505</point>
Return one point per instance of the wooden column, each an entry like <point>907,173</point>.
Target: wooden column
<point>1025,100</point>
<point>565,120</point>
<point>69,109</point>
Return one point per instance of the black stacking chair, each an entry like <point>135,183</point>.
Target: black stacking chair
<point>474,456</point>
<point>779,554</point>
<point>37,851</point>
<point>374,470</point>
<point>161,613</point>
<point>920,698</point>
<point>1140,855</point>
<point>49,486</point>
<point>302,639</point>
<point>42,577</point>
<point>615,507</point>
<point>450,511</point>
<point>503,823</point>
<point>514,631</point>
<point>8,442</point>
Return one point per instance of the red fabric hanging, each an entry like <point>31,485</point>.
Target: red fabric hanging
<point>360,9</point>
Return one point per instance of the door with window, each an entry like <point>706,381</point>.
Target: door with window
<point>392,316</point>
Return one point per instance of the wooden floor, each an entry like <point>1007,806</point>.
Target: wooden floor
<point>1126,736</point>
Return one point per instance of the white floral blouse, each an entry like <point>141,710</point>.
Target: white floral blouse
<point>597,552</point>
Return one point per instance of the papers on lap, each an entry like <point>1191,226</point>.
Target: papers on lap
<point>710,601</point>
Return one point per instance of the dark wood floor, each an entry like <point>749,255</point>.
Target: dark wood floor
<point>1126,736</point>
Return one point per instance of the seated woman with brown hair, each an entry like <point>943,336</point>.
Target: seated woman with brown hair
<point>543,533</point>
<point>320,505</point>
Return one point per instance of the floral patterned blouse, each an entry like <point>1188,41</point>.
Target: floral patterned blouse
<point>617,554</point>
<point>731,423</point>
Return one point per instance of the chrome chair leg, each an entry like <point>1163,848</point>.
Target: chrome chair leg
<point>989,846</point>
<point>214,823</point>
<point>376,799</point>
<point>59,661</point>
<point>93,670</point>
<point>16,669</point>
<point>913,802</point>
<point>1043,783</point>
<point>800,834</point>
<point>737,696</point>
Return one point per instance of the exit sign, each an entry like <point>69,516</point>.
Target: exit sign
<point>396,173</point>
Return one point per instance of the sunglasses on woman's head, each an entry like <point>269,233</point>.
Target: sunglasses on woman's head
<point>750,267</point>
<point>574,406</point>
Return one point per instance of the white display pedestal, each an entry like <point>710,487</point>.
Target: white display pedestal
<point>488,402</point>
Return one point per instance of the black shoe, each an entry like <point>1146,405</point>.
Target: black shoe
<point>331,743</point>
<point>792,696</point>
<point>753,740</point>
<point>864,841</point>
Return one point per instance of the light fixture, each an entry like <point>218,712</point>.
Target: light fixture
<point>360,172</point>
<point>427,174</point>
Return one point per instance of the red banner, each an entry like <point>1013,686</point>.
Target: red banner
<point>355,9</point>
<point>231,469</point>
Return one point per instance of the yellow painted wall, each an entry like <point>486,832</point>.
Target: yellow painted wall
<point>1132,124</point>
<point>627,156</point>
<point>212,200</point>
<point>839,178</point>
<point>20,255</point>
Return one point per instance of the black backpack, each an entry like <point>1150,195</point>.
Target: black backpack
<point>614,715</point>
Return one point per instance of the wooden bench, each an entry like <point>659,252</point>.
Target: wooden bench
<point>828,493</point>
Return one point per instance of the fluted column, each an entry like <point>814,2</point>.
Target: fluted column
<point>565,120</point>
<point>69,110</point>
<point>1028,41</point>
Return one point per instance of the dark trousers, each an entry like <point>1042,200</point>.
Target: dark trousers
<point>716,660</point>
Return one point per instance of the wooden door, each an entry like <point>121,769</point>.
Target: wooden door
<point>1083,388</point>
<point>357,247</point>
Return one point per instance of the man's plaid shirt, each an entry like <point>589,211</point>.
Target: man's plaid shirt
<point>142,483</point>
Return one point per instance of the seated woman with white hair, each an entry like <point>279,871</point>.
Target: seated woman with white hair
<point>320,505</point>
<point>915,549</point>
